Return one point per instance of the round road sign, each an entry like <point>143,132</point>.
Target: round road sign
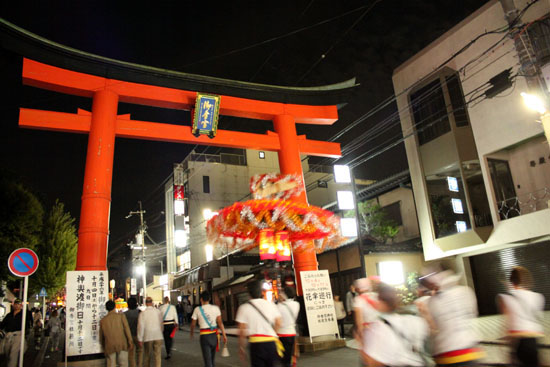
<point>23,262</point>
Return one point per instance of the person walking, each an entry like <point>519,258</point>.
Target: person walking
<point>340,314</point>
<point>393,339</point>
<point>150,333</point>
<point>350,297</point>
<point>188,309</point>
<point>54,329</point>
<point>37,328</point>
<point>365,310</point>
<point>135,356</point>
<point>181,314</point>
<point>12,326</point>
<point>170,321</point>
<point>450,312</point>
<point>115,337</point>
<point>210,322</point>
<point>261,320</point>
<point>522,309</point>
<point>289,310</point>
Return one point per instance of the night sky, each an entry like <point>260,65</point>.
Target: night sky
<point>362,39</point>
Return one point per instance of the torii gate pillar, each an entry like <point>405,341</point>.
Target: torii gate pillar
<point>290,163</point>
<point>93,231</point>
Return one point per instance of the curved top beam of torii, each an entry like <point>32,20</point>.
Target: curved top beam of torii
<point>38,48</point>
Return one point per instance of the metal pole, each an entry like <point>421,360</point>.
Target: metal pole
<point>161,267</point>
<point>142,232</point>
<point>43,311</point>
<point>358,218</point>
<point>23,323</point>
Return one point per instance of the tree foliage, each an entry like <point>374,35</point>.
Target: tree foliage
<point>375,222</point>
<point>53,238</point>
<point>57,250</point>
<point>21,216</point>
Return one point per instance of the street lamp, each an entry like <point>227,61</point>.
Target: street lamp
<point>112,285</point>
<point>535,103</point>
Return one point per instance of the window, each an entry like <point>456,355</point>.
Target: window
<point>206,184</point>
<point>262,155</point>
<point>503,184</point>
<point>431,112</point>
<point>184,261</point>
<point>393,213</point>
<point>457,101</point>
<point>391,272</point>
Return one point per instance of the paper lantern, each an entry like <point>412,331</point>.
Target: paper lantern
<point>283,246</point>
<point>266,240</point>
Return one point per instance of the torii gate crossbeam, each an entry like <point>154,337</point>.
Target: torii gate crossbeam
<point>103,125</point>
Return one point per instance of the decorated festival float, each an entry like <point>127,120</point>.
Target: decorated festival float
<point>276,224</point>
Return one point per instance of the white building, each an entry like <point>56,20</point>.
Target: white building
<point>480,164</point>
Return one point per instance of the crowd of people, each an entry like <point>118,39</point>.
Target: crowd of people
<point>37,325</point>
<point>441,332</point>
<point>438,332</point>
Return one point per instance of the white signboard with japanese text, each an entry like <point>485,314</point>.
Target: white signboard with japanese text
<point>317,292</point>
<point>87,292</point>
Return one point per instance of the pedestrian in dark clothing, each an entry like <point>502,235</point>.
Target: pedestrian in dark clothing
<point>181,314</point>
<point>11,325</point>
<point>135,356</point>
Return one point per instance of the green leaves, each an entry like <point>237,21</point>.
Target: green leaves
<point>21,216</point>
<point>57,250</point>
<point>375,222</point>
<point>53,237</point>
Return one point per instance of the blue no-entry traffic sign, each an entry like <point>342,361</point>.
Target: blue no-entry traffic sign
<point>23,262</point>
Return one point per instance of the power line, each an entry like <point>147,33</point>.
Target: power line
<point>269,40</point>
<point>325,54</point>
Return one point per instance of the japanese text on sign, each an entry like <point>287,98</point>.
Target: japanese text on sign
<point>321,315</point>
<point>87,292</point>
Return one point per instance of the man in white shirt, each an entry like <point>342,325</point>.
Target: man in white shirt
<point>150,333</point>
<point>289,310</point>
<point>170,322</point>
<point>261,320</point>
<point>450,312</point>
<point>523,310</point>
<point>209,318</point>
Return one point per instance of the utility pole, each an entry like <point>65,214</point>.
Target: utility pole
<point>358,217</point>
<point>140,240</point>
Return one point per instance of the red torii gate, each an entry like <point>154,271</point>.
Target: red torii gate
<point>103,125</point>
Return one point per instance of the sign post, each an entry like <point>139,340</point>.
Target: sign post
<point>320,312</point>
<point>43,294</point>
<point>22,263</point>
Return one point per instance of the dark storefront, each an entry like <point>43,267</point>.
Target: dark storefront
<point>490,272</point>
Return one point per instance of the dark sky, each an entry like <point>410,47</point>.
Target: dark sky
<point>209,38</point>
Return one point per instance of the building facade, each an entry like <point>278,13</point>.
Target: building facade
<point>479,160</point>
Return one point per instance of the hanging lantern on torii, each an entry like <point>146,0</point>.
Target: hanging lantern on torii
<point>273,222</point>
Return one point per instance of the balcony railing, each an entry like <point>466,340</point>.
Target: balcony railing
<point>225,158</point>
<point>524,204</point>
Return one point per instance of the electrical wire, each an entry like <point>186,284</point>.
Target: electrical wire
<point>269,40</point>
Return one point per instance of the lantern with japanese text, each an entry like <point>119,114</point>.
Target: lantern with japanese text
<point>266,242</point>
<point>283,246</point>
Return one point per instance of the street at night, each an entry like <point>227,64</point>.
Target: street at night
<point>318,183</point>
